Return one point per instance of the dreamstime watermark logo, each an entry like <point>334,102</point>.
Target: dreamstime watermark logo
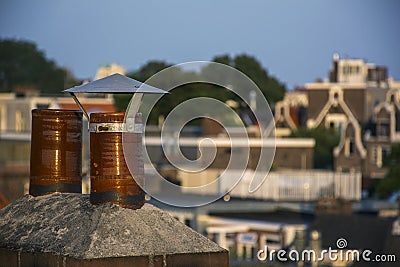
<point>340,253</point>
<point>341,243</point>
<point>244,88</point>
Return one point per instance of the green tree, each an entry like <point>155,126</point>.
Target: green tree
<point>391,181</point>
<point>142,74</point>
<point>148,70</point>
<point>272,89</point>
<point>23,65</point>
<point>178,95</point>
<point>270,86</point>
<point>326,140</point>
<point>224,59</point>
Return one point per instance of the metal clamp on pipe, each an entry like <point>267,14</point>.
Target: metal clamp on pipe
<point>131,126</point>
<point>115,127</point>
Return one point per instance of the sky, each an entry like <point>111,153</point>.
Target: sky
<point>294,40</point>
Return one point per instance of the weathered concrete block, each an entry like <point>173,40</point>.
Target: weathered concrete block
<point>67,230</point>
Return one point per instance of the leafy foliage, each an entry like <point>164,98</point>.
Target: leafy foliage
<point>23,65</point>
<point>391,181</point>
<point>326,140</point>
<point>272,89</point>
<point>270,86</point>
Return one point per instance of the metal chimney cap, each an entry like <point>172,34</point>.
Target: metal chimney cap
<point>116,84</point>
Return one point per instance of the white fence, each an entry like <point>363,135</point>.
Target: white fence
<point>303,186</point>
<point>286,185</point>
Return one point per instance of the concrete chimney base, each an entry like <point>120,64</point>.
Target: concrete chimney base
<point>66,230</point>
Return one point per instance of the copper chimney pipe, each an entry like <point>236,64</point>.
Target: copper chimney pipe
<point>56,152</point>
<point>110,178</point>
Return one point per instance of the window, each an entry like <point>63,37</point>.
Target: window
<point>373,155</point>
<point>345,169</point>
<point>383,130</point>
<point>392,99</point>
<point>348,69</point>
<point>379,157</point>
<point>336,96</point>
<point>349,147</point>
<point>335,121</point>
<point>376,156</point>
<point>397,120</point>
<point>385,153</point>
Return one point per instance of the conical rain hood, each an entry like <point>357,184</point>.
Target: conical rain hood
<point>116,84</point>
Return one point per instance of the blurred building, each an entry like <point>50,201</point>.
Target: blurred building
<point>107,70</point>
<point>290,153</point>
<point>292,177</point>
<point>290,113</point>
<point>361,102</point>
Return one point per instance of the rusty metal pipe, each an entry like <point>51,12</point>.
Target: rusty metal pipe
<point>110,178</point>
<point>56,152</point>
